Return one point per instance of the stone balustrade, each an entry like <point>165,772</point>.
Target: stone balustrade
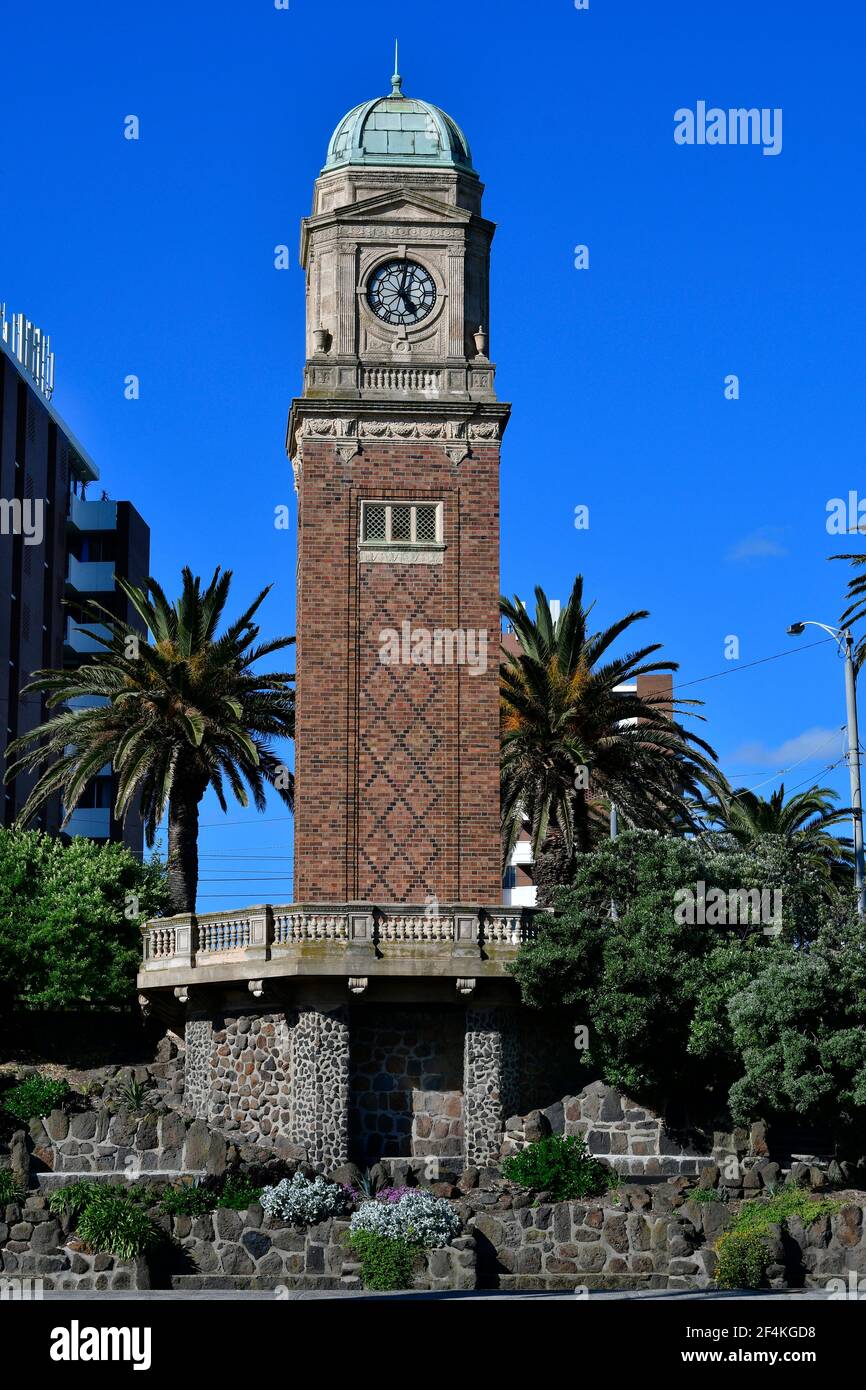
<point>266,932</point>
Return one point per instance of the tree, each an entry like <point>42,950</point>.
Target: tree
<point>803,821</point>
<point>651,986</point>
<point>177,714</point>
<point>70,918</point>
<point>800,1032</point>
<point>856,609</point>
<point>572,743</point>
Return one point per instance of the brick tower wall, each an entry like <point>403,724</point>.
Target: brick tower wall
<point>397,766</point>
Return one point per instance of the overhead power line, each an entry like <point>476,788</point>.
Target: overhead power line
<point>745,666</point>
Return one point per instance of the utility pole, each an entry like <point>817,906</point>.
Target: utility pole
<point>854,770</point>
<point>845,643</point>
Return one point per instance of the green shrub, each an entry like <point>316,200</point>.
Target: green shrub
<point>562,1167</point>
<point>113,1222</point>
<point>9,1191</point>
<point>187,1201</point>
<point>759,1213</point>
<point>34,1098</point>
<point>137,1096</point>
<point>67,939</point>
<point>742,1251</point>
<point>386,1261</point>
<point>767,1025</point>
<point>743,1260</point>
<point>708,1194</point>
<point>238,1193</point>
<point>71,1199</point>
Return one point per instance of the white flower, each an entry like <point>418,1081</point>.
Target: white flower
<point>305,1201</point>
<point>418,1217</point>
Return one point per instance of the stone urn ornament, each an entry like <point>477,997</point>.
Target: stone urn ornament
<point>480,342</point>
<point>321,339</point>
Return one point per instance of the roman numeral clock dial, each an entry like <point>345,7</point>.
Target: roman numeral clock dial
<point>401,292</point>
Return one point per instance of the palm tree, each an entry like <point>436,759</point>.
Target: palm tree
<point>803,821</point>
<point>856,609</point>
<point>176,715</point>
<point>561,713</point>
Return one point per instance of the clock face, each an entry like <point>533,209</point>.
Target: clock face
<point>401,292</point>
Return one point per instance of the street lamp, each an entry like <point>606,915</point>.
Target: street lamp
<point>845,642</point>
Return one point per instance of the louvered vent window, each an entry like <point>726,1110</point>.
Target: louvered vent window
<point>401,524</point>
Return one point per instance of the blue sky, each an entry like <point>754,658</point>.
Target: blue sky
<point>156,257</point>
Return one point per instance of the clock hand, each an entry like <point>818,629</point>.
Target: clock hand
<point>406,291</point>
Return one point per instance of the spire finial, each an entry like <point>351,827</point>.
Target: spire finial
<point>396,80</point>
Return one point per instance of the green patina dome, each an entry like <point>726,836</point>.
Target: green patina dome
<point>400,130</point>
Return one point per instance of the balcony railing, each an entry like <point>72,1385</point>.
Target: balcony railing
<point>80,636</point>
<point>93,822</point>
<point>91,576</point>
<point>92,516</point>
<point>346,930</point>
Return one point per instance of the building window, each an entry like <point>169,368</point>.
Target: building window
<point>97,795</point>
<point>415,524</point>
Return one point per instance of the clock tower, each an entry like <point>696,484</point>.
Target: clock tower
<point>395,448</point>
<point>386,1023</point>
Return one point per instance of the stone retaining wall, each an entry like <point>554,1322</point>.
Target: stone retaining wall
<point>250,1249</point>
<point>224,1250</point>
<point>632,1138</point>
<point>638,1241</point>
<point>655,1236</point>
<point>119,1141</point>
<point>36,1244</point>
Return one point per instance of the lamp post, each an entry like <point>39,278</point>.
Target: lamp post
<point>845,642</point>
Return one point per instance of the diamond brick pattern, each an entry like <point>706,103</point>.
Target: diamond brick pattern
<point>397,766</point>
<point>402,760</point>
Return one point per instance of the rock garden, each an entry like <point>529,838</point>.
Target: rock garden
<point>108,1185</point>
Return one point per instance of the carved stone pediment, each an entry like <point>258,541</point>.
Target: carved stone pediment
<point>412,205</point>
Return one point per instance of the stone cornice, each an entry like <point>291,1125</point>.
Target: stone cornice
<point>360,219</point>
<point>453,424</point>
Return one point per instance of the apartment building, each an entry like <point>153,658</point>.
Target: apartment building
<point>62,540</point>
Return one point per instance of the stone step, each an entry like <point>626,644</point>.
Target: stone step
<point>664,1165</point>
<point>49,1181</point>
<point>239,1282</point>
